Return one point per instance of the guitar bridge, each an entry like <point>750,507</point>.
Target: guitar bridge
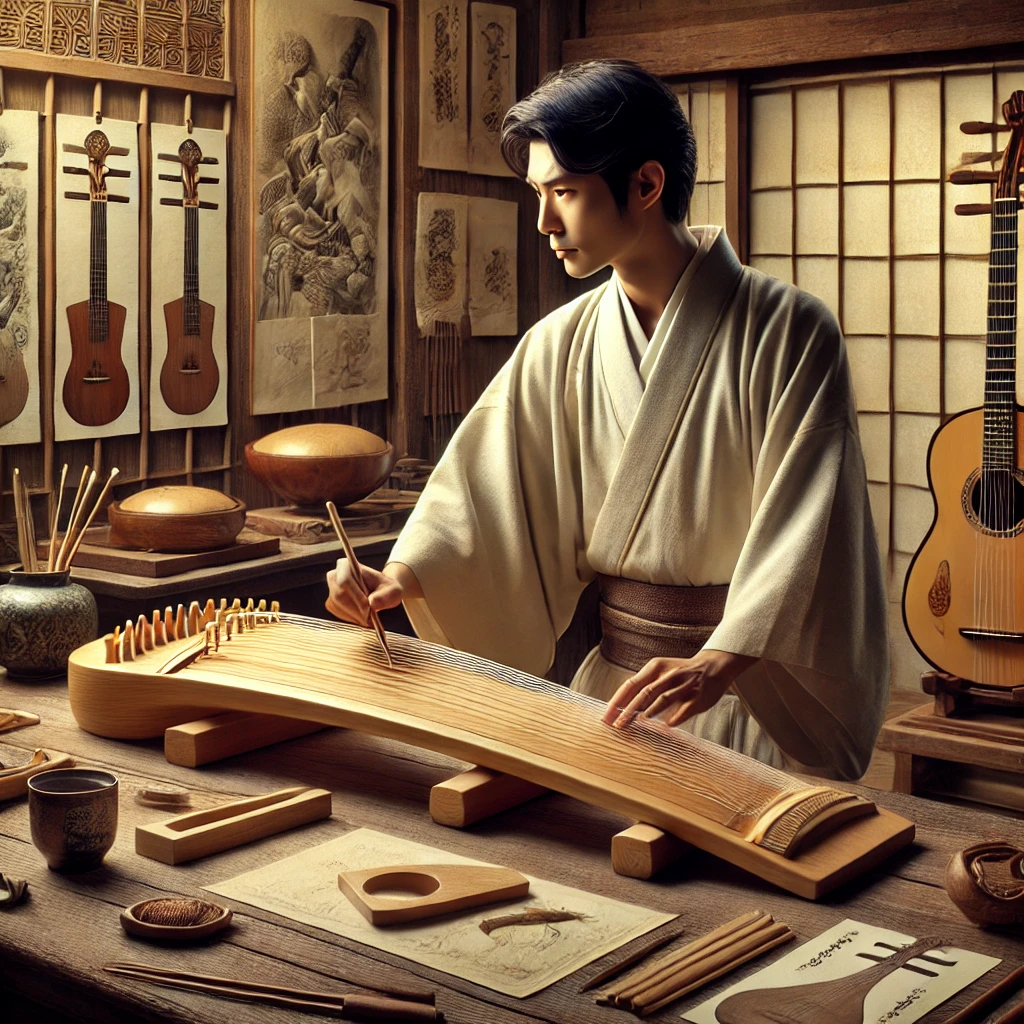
<point>992,634</point>
<point>95,379</point>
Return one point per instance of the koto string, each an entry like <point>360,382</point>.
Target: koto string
<point>337,659</point>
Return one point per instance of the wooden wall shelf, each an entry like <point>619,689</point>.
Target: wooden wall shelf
<point>81,67</point>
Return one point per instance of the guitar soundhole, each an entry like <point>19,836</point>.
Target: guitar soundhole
<point>994,501</point>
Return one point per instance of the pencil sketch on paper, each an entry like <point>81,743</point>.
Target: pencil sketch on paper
<point>492,84</point>
<point>440,258</point>
<point>320,144</point>
<point>444,121</point>
<point>19,257</point>
<point>283,381</point>
<point>493,287</point>
<point>346,363</point>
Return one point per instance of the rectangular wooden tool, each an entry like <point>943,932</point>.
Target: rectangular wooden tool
<point>200,833</point>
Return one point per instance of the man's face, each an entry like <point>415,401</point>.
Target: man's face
<point>578,214</point>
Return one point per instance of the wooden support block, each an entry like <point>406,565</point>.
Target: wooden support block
<point>212,739</point>
<point>476,794</point>
<point>643,850</point>
<point>200,833</point>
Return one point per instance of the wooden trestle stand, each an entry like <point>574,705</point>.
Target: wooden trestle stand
<point>965,743</point>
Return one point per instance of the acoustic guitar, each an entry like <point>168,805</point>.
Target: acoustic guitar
<point>963,601</point>
<point>14,384</point>
<point>189,377</point>
<point>96,386</point>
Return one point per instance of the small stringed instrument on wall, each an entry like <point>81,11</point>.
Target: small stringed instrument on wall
<point>96,385</point>
<point>963,601</point>
<point>189,377</point>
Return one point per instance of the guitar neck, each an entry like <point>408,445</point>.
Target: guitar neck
<point>99,311</point>
<point>999,450</point>
<point>191,286</point>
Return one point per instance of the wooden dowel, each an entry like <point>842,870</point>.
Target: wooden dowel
<point>640,977</point>
<point>725,968</point>
<point>642,953</point>
<point>64,559</point>
<point>30,529</point>
<point>416,995</point>
<point>626,997</point>
<point>55,523</point>
<point>705,965</point>
<point>974,1011</point>
<point>19,517</point>
<point>357,575</point>
<point>92,515</point>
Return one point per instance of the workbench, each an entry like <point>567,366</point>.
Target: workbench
<point>53,946</point>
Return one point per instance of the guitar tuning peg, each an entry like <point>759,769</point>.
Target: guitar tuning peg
<point>972,177</point>
<point>971,209</point>
<point>982,127</point>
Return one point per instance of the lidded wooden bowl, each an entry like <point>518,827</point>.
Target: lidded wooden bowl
<point>176,519</point>
<point>319,462</point>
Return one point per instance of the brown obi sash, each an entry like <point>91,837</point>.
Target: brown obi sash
<point>640,621</point>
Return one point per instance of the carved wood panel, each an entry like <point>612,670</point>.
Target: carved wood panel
<point>117,31</point>
<point>23,24</point>
<point>204,38</point>
<point>163,34</point>
<point>69,28</point>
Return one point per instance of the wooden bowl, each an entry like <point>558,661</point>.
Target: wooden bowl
<point>320,462</point>
<point>176,519</point>
<point>199,919</point>
<point>986,881</point>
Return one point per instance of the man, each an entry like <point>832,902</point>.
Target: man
<point>687,433</point>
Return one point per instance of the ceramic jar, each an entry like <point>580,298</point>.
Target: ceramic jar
<point>43,618</point>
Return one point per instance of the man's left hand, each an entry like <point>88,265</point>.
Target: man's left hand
<point>678,687</point>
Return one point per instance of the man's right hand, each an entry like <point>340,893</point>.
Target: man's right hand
<point>346,601</point>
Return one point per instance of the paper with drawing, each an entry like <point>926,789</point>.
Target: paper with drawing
<point>900,998</point>
<point>516,960</point>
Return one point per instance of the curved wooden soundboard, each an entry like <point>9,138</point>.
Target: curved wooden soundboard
<point>175,668</point>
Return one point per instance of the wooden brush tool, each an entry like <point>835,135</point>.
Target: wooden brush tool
<point>357,575</point>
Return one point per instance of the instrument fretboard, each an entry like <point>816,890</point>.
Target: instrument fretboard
<point>99,311</point>
<point>1000,441</point>
<point>191,288</point>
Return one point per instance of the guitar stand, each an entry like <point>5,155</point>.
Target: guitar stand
<point>965,743</point>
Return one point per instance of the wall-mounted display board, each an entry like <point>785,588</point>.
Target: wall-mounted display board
<point>96,392</point>
<point>492,82</point>
<point>444,113</point>
<point>188,305</point>
<point>170,35</point>
<point>493,267</point>
<point>19,277</point>
<point>320,158</point>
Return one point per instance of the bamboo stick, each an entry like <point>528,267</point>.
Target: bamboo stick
<point>92,515</point>
<point>756,928</point>
<point>617,968</point>
<point>63,559</point>
<point>717,972</point>
<point>71,518</point>
<point>55,523</point>
<point>19,516</point>
<point>703,969</point>
<point>30,528</point>
<point>641,977</point>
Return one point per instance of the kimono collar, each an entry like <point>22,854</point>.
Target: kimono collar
<point>659,408</point>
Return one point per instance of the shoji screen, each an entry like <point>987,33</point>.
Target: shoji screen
<point>704,105</point>
<point>848,200</point>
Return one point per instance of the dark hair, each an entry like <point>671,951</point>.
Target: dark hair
<point>607,117</point>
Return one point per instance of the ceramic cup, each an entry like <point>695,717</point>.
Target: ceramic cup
<point>72,813</point>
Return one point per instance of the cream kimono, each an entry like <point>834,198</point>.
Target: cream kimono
<point>738,462</point>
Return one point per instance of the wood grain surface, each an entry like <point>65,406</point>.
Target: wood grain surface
<point>53,945</point>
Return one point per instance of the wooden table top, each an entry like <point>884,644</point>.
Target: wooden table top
<point>53,946</point>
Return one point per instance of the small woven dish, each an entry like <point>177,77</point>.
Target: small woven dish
<point>174,919</point>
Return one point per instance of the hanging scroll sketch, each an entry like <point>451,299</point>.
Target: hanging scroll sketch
<point>96,386</point>
<point>492,84</point>
<point>441,244</point>
<point>14,298</point>
<point>494,99</point>
<point>189,378</point>
<point>445,65</point>
<point>319,211</point>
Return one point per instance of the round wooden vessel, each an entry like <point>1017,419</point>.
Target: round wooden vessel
<point>319,462</point>
<point>176,519</point>
<point>175,920</point>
